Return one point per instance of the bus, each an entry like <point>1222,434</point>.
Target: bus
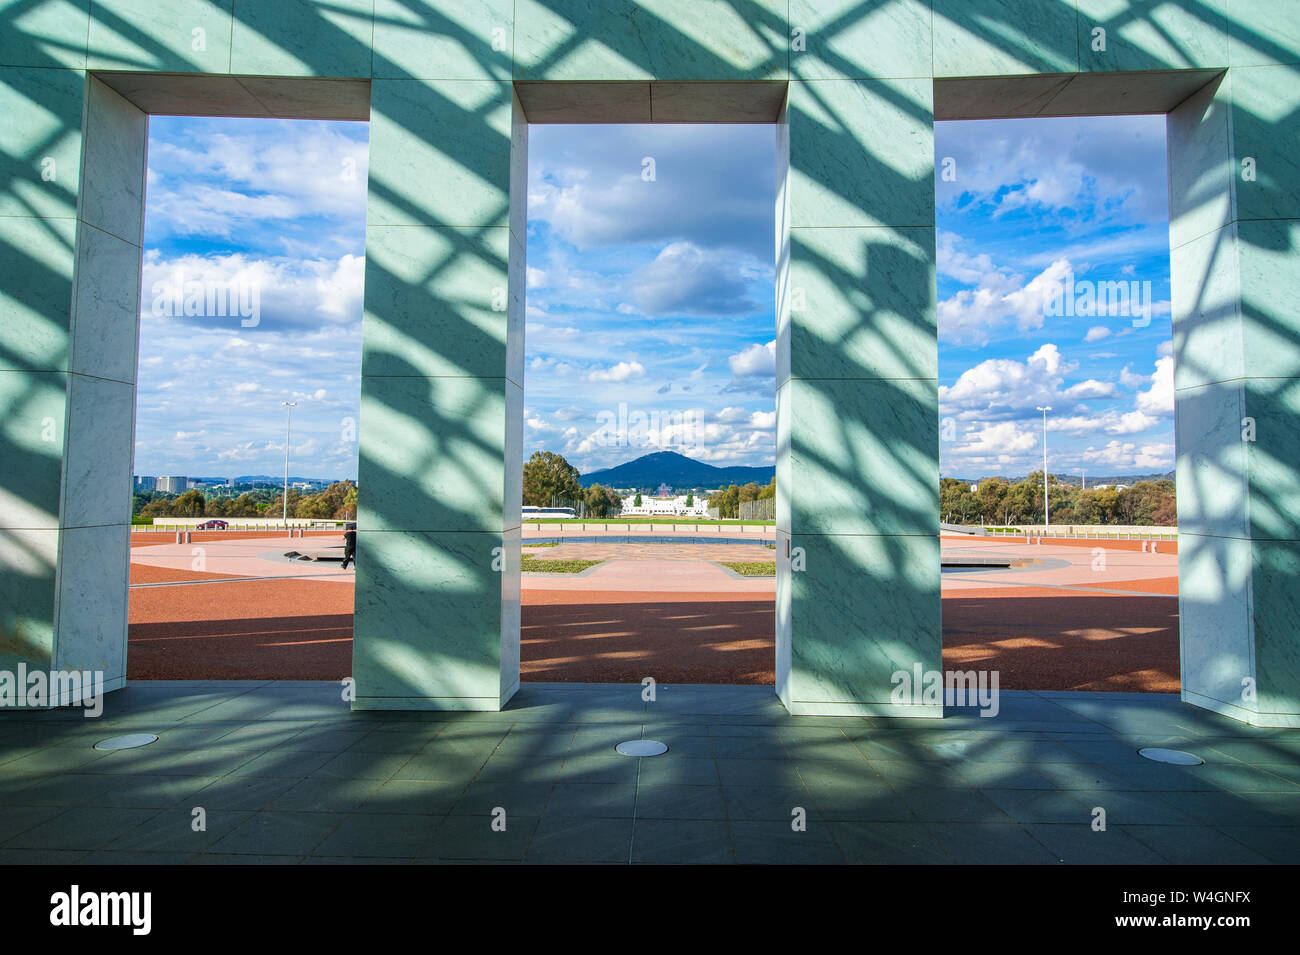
<point>530,511</point>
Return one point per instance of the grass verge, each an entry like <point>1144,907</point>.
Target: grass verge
<point>532,564</point>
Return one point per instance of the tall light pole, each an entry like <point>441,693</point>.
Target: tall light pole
<point>1047,521</point>
<point>288,412</point>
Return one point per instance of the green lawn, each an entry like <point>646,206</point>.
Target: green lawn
<point>542,544</point>
<point>752,568</point>
<point>532,564</point>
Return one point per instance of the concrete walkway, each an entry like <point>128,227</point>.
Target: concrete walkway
<point>287,774</point>
<point>260,557</point>
<point>1062,565</point>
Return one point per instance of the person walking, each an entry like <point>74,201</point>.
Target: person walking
<point>349,544</point>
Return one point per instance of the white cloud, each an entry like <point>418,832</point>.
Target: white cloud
<point>754,361</point>
<point>1108,422</point>
<point>210,183</point>
<point>1158,400</point>
<point>1003,387</point>
<point>998,303</point>
<point>623,371</point>
<point>277,293</point>
<point>1156,456</point>
<point>1096,333</point>
<point>1003,442</point>
<point>684,278</point>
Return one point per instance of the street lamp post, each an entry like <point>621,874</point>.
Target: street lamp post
<point>288,412</point>
<point>1047,520</point>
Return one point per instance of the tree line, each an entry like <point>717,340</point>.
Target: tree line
<point>728,500</point>
<point>551,481</point>
<point>996,502</point>
<point>336,502</point>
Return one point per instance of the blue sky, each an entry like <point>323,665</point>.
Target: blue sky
<point>1030,203</point>
<point>650,304</point>
<point>241,204</point>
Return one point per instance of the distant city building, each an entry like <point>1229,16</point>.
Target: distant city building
<point>173,484</point>
<point>146,482</point>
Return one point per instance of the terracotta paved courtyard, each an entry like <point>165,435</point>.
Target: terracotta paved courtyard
<point>1060,624</point>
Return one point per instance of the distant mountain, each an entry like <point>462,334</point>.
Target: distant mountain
<point>675,470</point>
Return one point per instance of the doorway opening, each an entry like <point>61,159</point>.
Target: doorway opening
<point>245,441</point>
<point>649,405</point>
<point>1057,505</point>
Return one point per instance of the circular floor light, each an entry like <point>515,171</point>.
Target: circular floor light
<point>130,741</point>
<point>1174,757</point>
<point>642,747</point>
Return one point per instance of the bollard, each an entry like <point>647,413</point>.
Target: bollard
<point>1153,547</point>
<point>178,537</point>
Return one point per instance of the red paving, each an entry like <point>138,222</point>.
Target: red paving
<point>621,637</point>
<point>1163,547</point>
<point>300,629</point>
<point>145,574</point>
<point>250,630</point>
<point>1043,639</point>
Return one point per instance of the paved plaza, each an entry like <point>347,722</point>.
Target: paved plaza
<point>287,774</point>
<point>668,609</point>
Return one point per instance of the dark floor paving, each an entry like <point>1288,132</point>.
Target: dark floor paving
<point>286,773</point>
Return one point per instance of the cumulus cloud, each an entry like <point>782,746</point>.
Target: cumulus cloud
<point>1155,456</point>
<point>712,185</point>
<point>1003,443</point>
<point>1005,388</point>
<point>683,278</point>
<point>1066,170</point>
<point>754,361</point>
<point>227,179</point>
<point>999,303</point>
<point>1158,400</point>
<point>239,291</point>
<point>623,371</point>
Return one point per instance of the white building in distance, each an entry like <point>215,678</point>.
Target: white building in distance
<point>666,506</point>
